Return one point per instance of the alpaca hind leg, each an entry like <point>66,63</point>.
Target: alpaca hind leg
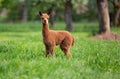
<point>66,50</point>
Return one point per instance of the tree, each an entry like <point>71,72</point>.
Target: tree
<point>104,23</point>
<point>24,11</point>
<point>116,4</point>
<point>52,14</point>
<point>103,16</point>
<point>16,12</point>
<point>68,17</point>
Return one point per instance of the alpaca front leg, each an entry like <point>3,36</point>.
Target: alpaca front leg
<point>47,53</point>
<point>47,50</point>
<point>52,51</point>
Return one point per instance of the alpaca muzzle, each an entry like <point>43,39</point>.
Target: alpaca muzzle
<point>44,20</point>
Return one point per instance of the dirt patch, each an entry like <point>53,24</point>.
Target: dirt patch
<point>107,36</point>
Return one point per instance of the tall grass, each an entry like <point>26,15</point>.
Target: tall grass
<point>22,54</point>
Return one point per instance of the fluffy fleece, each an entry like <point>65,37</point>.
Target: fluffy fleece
<point>52,38</point>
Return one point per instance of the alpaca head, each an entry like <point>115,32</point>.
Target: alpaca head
<point>44,17</point>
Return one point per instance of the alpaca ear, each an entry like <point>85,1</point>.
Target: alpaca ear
<point>49,13</point>
<point>40,13</point>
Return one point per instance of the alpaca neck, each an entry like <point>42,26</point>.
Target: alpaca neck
<point>45,29</point>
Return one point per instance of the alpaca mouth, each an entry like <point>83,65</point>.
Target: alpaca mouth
<point>44,21</point>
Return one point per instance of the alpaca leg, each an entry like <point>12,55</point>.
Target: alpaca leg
<point>52,50</point>
<point>66,50</point>
<point>47,50</point>
<point>47,53</point>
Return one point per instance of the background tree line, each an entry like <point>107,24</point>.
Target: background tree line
<point>61,10</point>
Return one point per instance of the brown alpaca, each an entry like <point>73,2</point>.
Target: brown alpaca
<point>52,38</point>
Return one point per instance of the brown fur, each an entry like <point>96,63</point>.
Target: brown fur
<point>52,38</point>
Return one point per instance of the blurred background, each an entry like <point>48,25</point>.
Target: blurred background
<point>65,11</point>
<point>80,10</point>
<point>27,10</point>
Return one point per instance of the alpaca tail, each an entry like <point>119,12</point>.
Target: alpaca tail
<point>73,41</point>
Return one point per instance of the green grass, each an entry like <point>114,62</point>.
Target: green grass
<point>22,54</point>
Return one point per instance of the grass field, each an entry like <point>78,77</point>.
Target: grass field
<point>22,54</point>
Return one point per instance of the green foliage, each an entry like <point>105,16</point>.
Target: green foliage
<point>22,54</point>
<point>44,5</point>
<point>1,3</point>
<point>14,10</point>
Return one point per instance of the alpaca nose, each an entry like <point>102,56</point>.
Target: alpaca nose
<point>44,20</point>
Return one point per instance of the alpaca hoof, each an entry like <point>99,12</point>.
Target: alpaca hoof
<point>69,55</point>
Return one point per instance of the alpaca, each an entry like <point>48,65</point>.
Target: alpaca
<point>52,38</point>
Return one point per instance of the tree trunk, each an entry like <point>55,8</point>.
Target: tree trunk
<point>24,14</point>
<point>52,18</point>
<point>68,17</point>
<point>52,14</point>
<point>116,18</point>
<point>103,16</point>
<point>116,5</point>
